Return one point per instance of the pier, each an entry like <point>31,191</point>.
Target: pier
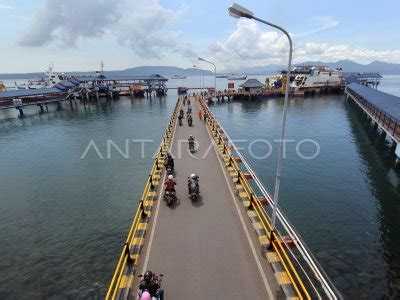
<point>383,109</point>
<point>221,246</point>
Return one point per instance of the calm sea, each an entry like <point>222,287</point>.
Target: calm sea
<point>63,219</point>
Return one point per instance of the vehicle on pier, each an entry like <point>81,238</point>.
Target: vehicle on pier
<point>182,90</point>
<point>193,187</point>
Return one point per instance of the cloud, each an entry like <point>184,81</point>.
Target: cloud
<point>4,6</point>
<point>249,46</point>
<point>145,26</point>
<point>69,21</point>
<point>324,23</point>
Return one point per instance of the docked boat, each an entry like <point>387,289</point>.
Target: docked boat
<point>178,77</point>
<point>49,80</point>
<point>237,77</point>
<point>317,77</point>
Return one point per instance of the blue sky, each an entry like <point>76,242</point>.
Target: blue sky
<point>77,34</point>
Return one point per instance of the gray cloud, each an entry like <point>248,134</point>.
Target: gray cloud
<point>68,21</point>
<point>145,26</point>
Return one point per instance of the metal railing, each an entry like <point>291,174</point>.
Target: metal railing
<point>307,276</point>
<point>125,257</point>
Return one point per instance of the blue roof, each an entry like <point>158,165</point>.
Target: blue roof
<point>28,92</point>
<point>388,103</point>
<point>65,85</point>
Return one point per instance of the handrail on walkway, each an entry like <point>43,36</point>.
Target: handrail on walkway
<point>306,275</point>
<point>126,258</point>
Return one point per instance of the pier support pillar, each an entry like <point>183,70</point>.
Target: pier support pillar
<point>58,105</point>
<point>97,95</point>
<point>375,125</point>
<point>21,112</point>
<point>87,96</point>
<point>41,108</point>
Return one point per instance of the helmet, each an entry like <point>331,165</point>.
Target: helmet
<point>145,296</point>
<point>148,275</point>
<point>169,155</point>
<point>170,177</point>
<point>191,136</point>
<point>193,176</point>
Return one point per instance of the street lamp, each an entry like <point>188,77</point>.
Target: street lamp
<point>201,78</point>
<point>237,12</point>
<point>215,72</point>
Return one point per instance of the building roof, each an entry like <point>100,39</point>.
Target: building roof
<point>388,103</point>
<point>65,85</point>
<point>28,92</point>
<point>252,83</point>
<point>359,77</point>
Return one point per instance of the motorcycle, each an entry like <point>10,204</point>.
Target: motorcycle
<point>169,197</point>
<point>145,295</point>
<point>190,121</point>
<point>180,120</point>
<point>194,188</point>
<point>169,170</point>
<point>191,146</point>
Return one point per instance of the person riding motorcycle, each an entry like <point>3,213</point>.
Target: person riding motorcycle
<point>191,142</point>
<point>180,117</point>
<point>190,120</point>
<point>169,162</point>
<point>170,184</point>
<point>151,284</point>
<point>181,113</point>
<point>193,179</point>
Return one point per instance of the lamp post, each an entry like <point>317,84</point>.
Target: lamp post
<point>201,78</point>
<point>237,12</point>
<point>215,72</point>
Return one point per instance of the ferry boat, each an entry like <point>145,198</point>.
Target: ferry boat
<point>49,80</point>
<point>222,76</point>
<point>178,77</point>
<point>317,77</point>
<point>237,77</point>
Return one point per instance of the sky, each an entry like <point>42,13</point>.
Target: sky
<point>76,35</point>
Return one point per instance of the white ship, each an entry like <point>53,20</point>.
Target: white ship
<point>49,80</point>
<point>178,77</point>
<point>317,77</point>
<point>237,77</point>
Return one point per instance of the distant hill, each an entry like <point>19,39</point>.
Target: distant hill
<point>383,68</point>
<point>347,66</point>
<point>142,70</point>
<point>162,70</point>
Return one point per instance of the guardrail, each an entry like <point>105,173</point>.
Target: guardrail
<point>385,122</point>
<point>123,277</point>
<point>306,276</point>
